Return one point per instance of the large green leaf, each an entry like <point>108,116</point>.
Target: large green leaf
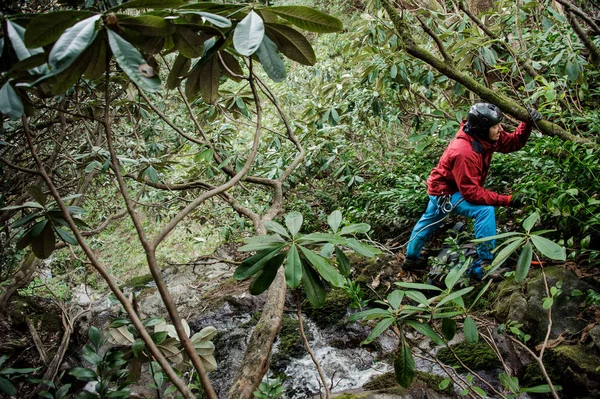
<point>549,248</point>
<point>404,366</point>
<point>378,330</point>
<point>356,228</point>
<point>276,228</point>
<point>231,66</point>
<point>313,286</point>
<point>97,59</point>
<point>293,45</point>
<point>192,84</point>
<point>262,281</point>
<point>216,20</point>
<point>309,19</point>
<point>448,328</point>
<point>83,374</point>
<point>334,220</point>
<point>248,34</point>
<point>343,262</point>
<point>43,244</point>
<point>7,387</point>
<point>151,4</point>
<point>270,60</point>
<point>255,263</point>
<point>323,237</point>
<point>418,286</point>
<point>293,221</point>
<point>71,44</point>
<point>324,268</point>
<point>130,60</point>
<point>530,221</point>
<point>426,330</point>
<point>66,79</point>
<point>293,268</point>
<point>364,250</point>
<point>10,102</point>
<point>394,298</point>
<point>523,263</point>
<point>189,43</point>
<point>209,80</point>
<point>505,253</point>
<point>454,296</point>
<point>258,243</point>
<point>370,314</point>
<point>48,27</point>
<point>471,333</point>
<point>147,25</point>
<point>179,69</point>
<point>16,34</point>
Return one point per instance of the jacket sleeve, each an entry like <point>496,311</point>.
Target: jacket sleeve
<point>467,173</point>
<point>510,142</point>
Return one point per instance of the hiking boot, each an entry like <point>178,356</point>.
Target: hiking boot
<point>414,264</point>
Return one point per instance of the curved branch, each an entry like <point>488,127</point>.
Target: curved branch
<point>526,64</point>
<point>584,37</point>
<point>224,187</point>
<point>505,103</point>
<point>581,14</point>
<point>438,42</point>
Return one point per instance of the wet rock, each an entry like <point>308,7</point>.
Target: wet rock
<point>523,303</point>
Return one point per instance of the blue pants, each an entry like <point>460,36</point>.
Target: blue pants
<point>485,225</point>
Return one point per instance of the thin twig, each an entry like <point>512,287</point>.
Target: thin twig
<point>307,345</point>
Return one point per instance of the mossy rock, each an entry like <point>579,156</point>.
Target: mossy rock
<point>522,302</point>
<point>571,366</point>
<point>386,383</point>
<point>139,281</point>
<point>290,345</point>
<point>333,313</point>
<point>478,356</point>
<point>367,269</point>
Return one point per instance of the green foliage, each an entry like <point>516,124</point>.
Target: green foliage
<point>109,369</point>
<point>412,308</point>
<point>10,376</point>
<point>43,223</point>
<point>186,28</point>
<point>299,251</point>
<point>269,389</point>
<point>167,340</point>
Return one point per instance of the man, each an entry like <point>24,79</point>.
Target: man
<point>456,183</point>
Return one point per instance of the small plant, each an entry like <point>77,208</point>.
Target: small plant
<point>411,308</point>
<point>269,389</point>
<point>166,339</point>
<point>110,369</point>
<point>512,385</point>
<point>9,376</point>
<point>352,289</point>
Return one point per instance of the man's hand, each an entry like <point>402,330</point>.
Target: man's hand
<point>517,200</point>
<point>534,114</point>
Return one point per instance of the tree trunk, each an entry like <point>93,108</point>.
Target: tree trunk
<point>479,6</point>
<point>256,360</point>
<point>21,278</point>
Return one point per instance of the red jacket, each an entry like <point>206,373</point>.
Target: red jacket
<point>465,164</point>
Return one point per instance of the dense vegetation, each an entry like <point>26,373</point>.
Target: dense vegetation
<point>141,133</point>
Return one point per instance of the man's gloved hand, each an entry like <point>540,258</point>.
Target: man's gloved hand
<point>517,200</point>
<point>534,114</point>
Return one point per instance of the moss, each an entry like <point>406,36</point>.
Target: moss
<point>580,355</point>
<point>433,381</point>
<point>333,312</point>
<point>386,383</point>
<point>477,356</point>
<point>139,281</point>
<point>290,345</point>
<point>351,396</point>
